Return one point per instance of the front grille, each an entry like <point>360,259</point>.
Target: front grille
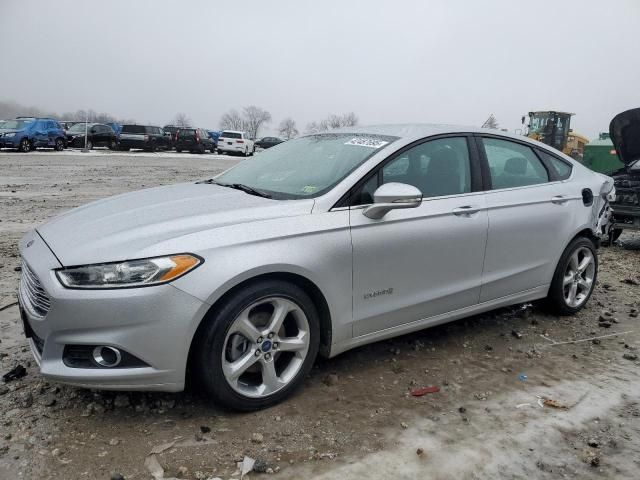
<point>33,296</point>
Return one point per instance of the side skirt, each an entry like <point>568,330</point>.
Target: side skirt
<point>526,296</point>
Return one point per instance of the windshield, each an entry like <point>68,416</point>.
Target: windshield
<point>78,127</point>
<point>16,124</point>
<point>305,167</point>
<point>134,129</point>
<point>538,122</point>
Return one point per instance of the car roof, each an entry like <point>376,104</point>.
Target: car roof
<point>416,131</point>
<point>233,131</point>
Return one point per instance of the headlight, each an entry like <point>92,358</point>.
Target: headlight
<point>131,273</point>
<point>11,134</point>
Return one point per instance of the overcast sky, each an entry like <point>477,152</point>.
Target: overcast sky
<point>435,61</point>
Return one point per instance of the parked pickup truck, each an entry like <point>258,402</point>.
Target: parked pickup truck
<point>146,137</point>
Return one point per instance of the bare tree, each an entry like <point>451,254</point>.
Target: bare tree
<point>232,121</point>
<point>491,122</point>
<point>254,118</point>
<point>287,128</point>
<point>313,127</point>
<point>181,120</point>
<point>332,122</point>
<point>349,120</point>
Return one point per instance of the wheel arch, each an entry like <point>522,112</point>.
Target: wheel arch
<point>301,281</point>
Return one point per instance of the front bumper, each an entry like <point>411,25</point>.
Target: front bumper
<point>10,142</point>
<point>155,324</point>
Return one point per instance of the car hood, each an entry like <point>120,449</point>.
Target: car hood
<point>624,130</point>
<point>133,225</point>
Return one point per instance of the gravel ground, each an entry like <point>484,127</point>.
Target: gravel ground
<point>515,400</point>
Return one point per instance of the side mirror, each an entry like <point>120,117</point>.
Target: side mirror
<point>392,196</point>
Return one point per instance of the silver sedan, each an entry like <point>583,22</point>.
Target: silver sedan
<point>315,246</point>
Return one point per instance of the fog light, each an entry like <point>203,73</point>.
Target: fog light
<point>107,356</point>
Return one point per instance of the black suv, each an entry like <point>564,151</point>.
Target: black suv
<point>267,142</point>
<point>98,135</point>
<point>146,137</point>
<point>196,140</point>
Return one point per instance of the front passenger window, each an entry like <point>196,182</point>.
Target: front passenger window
<point>437,167</point>
<point>512,164</point>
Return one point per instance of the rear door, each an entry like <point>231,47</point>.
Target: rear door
<point>530,211</point>
<point>419,262</point>
<point>41,133</point>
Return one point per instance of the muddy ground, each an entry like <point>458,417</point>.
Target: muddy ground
<point>355,417</point>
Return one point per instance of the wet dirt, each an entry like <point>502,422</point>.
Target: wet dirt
<point>355,416</point>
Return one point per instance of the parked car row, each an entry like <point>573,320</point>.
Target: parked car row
<point>28,133</point>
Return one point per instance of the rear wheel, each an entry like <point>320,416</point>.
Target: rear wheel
<point>113,145</point>
<point>89,145</point>
<point>574,278</point>
<point>25,145</point>
<point>178,150</point>
<point>258,346</point>
<point>59,145</point>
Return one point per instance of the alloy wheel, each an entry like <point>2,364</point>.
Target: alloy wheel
<point>265,347</point>
<point>25,145</point>
<point>578,278</point>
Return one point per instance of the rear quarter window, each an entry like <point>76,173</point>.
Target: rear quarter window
<point>561,168</point>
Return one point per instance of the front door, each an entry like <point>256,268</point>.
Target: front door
<point>421,262</point>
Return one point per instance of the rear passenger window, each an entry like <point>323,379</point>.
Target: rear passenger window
<point>512,164</point>
<point>561,168</point>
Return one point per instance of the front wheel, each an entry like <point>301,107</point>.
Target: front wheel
<point>113,145</point>
<point>59,145</point>
<point>89,145</point>
<point>258,346</point>
<point>574,278</point>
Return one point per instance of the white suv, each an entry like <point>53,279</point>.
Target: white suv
<point>233,141</point>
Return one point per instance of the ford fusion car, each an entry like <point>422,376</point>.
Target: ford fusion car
<point>318,245</point>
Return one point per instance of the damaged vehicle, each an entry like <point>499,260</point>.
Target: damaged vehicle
<point>320,244</point>
<point>624,130</point>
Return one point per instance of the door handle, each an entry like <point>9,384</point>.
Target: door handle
<point>465,210</point>
<point>559,199</point>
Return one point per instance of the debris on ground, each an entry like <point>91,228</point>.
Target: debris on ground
<point>418,392</point>
<point>330,380</point>
<point>15,373</point>
<point>516,334</point>
<point>549,402</point>
<point>522,377</point>
<point>630,356</point>
<point>420,452</point>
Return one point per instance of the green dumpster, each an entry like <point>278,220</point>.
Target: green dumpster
<point>600,156</point>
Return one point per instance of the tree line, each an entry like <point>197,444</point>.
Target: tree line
<point>251,119</point>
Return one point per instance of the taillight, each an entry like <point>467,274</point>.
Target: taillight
<point>197,136</point>
<point>239,141</point>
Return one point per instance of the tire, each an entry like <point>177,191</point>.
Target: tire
<point>59,145</point>
<point>124,149</point>
<point>113,145</point>
<point>566,276</point>
<point>179,150</point>
<point>213,149</point>
<point>614,234</point>
<point>217,340</point>
<point>24,146</point>
<point>89,145</point>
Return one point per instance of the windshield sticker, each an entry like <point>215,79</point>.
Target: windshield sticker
<point>310,189</point>
<point>367,142</point>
